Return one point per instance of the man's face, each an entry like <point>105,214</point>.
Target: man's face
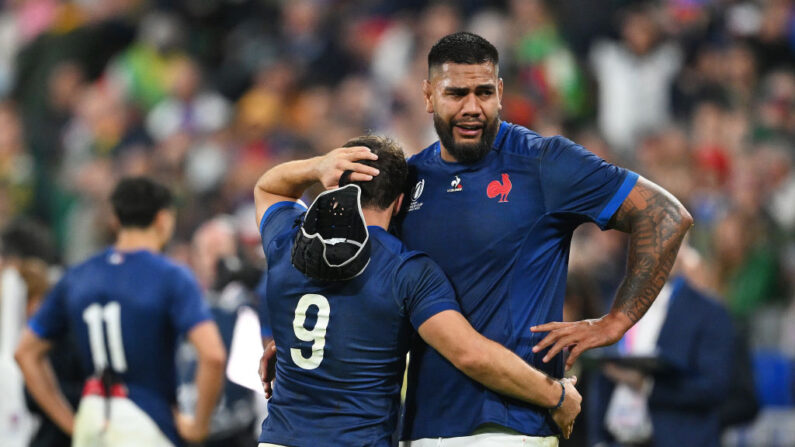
<point>465,100</point>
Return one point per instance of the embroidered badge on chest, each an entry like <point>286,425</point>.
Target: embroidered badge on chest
<point>456,185</point>
<point>501,189</point>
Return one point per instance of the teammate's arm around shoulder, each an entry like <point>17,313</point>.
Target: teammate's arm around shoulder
<point>209,380</point>
<point>498,368</point>
<point>288,181</point>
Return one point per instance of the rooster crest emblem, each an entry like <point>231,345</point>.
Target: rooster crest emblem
<point>496,188</point>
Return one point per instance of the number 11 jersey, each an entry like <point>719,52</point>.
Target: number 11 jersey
<point>126,311</point>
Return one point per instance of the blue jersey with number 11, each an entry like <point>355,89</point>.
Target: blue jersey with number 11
<point>126,310</point>
<point>342,345</point>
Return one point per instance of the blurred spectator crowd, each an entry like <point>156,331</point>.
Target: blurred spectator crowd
<point>205,95</point>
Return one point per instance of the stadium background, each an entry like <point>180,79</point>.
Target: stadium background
<point>205,95</point>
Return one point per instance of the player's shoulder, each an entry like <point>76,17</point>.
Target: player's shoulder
<point>404,261</point>
<point>148,262</point>
<point>98,261</point>
<point>519,140</point>
<point>179,270</point>
<point>386,243</point>
<point>424,156</point>
<point>391,249</point>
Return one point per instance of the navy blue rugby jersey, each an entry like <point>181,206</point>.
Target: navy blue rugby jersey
<point>127,310</point>
<point>500,229</point>
<point>342,345</point>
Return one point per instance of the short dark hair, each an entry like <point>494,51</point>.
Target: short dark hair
<point>27,238</point>
<point>462,48</point>
<point>137,200</point>
<point>385,187</point>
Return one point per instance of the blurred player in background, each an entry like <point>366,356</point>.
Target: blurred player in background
<point>344,297</point>
<point>126,308</point>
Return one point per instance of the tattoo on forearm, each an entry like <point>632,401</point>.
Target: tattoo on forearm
<point>654,219</point>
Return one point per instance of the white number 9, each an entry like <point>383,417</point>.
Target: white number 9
<point>317,335</point>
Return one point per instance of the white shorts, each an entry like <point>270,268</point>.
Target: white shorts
<point>485,440</point>
<point>128,426</point>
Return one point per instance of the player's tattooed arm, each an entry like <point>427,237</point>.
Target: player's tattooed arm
<point>657,223</point>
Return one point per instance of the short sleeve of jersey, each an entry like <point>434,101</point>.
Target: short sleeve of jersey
<point>576,181</point>
<point>277,218</point>
<point>188,308</point>
<point>51,320</point>
<point>262,307</point>
<point>423,289</point>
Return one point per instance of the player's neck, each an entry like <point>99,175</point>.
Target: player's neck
<point>133,239</point>
<point>379,218</point>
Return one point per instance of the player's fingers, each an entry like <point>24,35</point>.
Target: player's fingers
<point>357,177</point>
<point>547,341</point>
<point>546,327</point>
<point>556,348</point>
<point>362,153</point>
<point>360,168</point>
<point>573,355</point>
<point>268,389</point>
<point>552,337</point>
<point>353,154</point>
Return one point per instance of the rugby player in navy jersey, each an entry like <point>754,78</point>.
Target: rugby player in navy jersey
<point>495,204</point>
<point>342,321</point>
<point>126,308</point>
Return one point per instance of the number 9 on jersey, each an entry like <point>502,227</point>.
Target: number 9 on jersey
<point>316,335</point>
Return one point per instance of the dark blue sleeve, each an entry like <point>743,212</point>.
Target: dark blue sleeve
<point>51,320</point>
<point>262,307</point>
<point>576,181</point>
<point>423,289</point>
<point>188,308</point>
<point>278,218</point>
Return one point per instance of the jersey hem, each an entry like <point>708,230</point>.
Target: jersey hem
<point>436,308</point>
<point>37,329</point>
<point>193,325</point>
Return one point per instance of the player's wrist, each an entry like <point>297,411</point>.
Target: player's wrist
<point>562,397</point>
<point>316,168</point>
<point>616,323</point>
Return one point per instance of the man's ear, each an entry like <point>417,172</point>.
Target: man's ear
<point>398,204</point>
<point>427,92</point>
<point>115,223</point>
<point>499,92</point>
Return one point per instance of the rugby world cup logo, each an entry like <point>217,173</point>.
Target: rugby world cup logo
<point>417,191</point>
<point>415,195</point>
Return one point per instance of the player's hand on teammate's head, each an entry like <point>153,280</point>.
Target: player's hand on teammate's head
<point>267,368</point>
<point>331,166</point>
<point>189,430</point>
<point>568,411</point>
